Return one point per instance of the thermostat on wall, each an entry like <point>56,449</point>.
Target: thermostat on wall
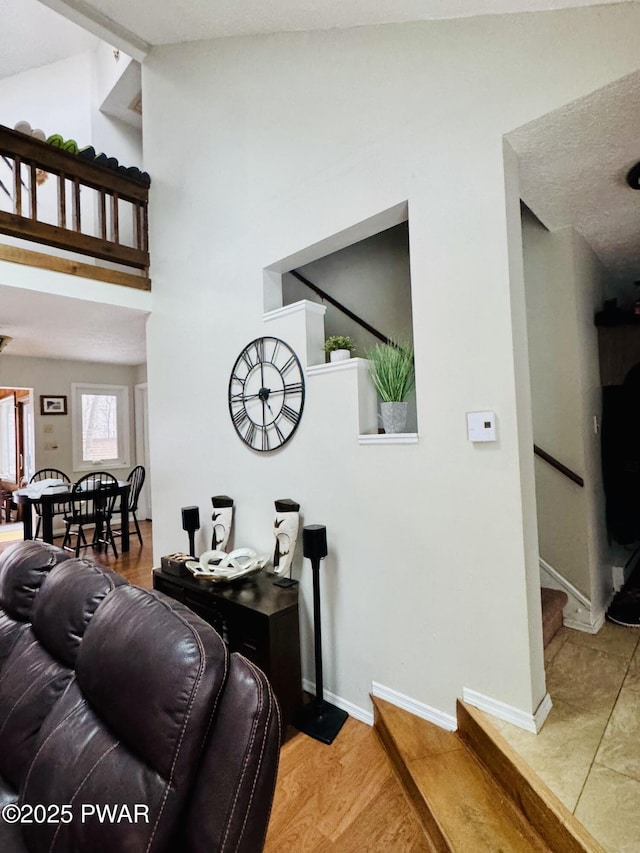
<point>481,426</point>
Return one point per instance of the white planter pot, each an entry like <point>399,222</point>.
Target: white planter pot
<point>394,417</point>
<point>339,355</point>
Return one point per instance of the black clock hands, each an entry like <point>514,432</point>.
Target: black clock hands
<point>261,383</point>
<point>264,394</point>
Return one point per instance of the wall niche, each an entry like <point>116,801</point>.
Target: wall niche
<point>367,270</point>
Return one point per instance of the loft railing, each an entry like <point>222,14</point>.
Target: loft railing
<point>551,460</point>
<point>92,223</point>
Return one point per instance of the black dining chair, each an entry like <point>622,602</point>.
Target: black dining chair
<point>94,510</point>
<point>48,474</point>
<point>136,480</point>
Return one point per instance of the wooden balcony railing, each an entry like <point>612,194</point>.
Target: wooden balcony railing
<point>26,159</point>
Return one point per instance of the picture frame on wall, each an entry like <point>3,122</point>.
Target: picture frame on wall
<point>53,404</point>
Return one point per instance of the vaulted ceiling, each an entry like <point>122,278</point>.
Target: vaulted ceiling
<point>573,161</point>
<point>32,35</point>
<point>153,22</point>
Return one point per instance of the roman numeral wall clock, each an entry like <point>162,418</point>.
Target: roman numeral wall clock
<point>266,394</point>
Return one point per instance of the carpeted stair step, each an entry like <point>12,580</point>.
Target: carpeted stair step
<point>463,806</point>
<point>553,603</point>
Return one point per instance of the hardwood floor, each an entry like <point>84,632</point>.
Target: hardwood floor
<point>137,563</point>
<point>135,566</point>
<point>344,797</point>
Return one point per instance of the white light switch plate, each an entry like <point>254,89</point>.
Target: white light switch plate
<point>481,426</point>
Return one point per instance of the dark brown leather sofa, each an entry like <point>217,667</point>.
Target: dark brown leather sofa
<point>125,725</point>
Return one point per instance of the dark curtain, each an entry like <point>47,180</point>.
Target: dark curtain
<point>621,457</point>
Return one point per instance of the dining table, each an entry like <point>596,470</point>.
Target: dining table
<point>61,495</point>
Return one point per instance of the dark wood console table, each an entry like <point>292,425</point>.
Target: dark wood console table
<point>256,618</point>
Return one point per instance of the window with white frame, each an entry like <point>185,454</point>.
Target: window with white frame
<point>100,426</point>
<point>8,438</point>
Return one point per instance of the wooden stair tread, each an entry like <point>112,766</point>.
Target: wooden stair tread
<point>461,806</point>
<point>472,791</point>
<point>562,830</point>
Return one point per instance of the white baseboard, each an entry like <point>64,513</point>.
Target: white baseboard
<point>529,722</point>
<point>552,578</point>
<point>578,613</point>
<point>590,625</point>
<point>353,710</point>
<point>425,712</point>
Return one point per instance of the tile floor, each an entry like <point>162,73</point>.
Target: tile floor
<point>588,751</point>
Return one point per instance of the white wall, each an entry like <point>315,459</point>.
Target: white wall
<point>431,585</point>
<point>555,362</point>
<point>54,377</point>
<point>55,98</point>
<point>564,288</point>
<point>116,138</point>
<point>141,374</point>
<point>589,283</point>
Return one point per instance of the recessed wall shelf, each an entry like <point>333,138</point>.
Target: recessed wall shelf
<point>333,366</point>
<point>304,305</point>
<point>391,438</point>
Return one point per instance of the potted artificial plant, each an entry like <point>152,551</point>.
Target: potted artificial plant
<point>391,368</point>
<point>339,347</point>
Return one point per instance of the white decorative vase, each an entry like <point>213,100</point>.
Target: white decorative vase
<point>285,529</point>
<point>394,417</point>
<point>339,355</point>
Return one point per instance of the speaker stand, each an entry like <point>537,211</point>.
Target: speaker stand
<point>322,723</point>
<point>320,720</point>
<point>285,582</point>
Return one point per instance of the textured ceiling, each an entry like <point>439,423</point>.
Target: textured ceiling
<point>573,166</point>
<point>43,325</point>
<point>32,35</point>
<point>186,20</point>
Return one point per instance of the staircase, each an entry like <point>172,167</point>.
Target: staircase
<point>471,791</point>
<point>553,602</point>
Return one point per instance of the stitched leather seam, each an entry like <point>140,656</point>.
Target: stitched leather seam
<point>51,734</point>
<point>17,630</point>
<point>262,747</point>
<point>217,699</point>
<point>106,576</point>
<point>272,705</point>
<point>24,693</point>
<point>245,759</point>
<point>261,696</point>
<point>80,786</point>
<point>15,660</point>
<point>194,691</point>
